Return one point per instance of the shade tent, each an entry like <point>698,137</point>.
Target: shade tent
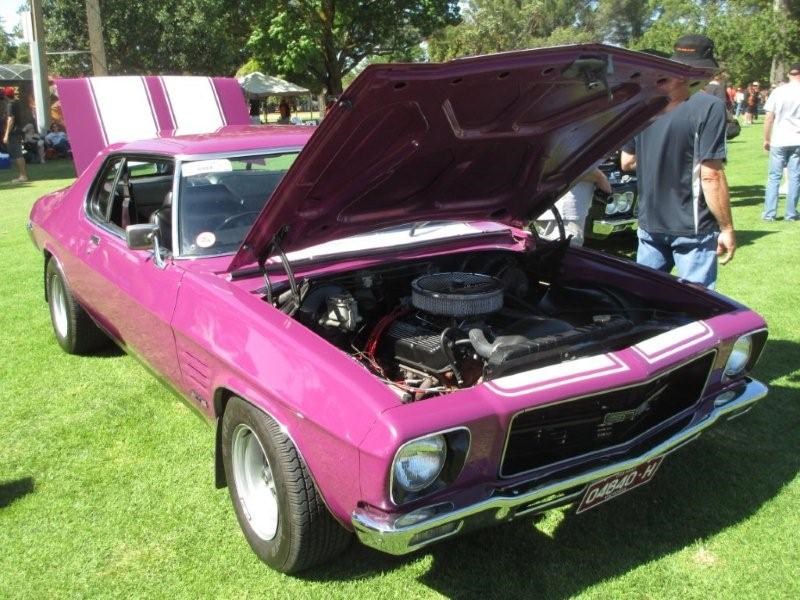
<point>15,72</point>
<point>258,85</point>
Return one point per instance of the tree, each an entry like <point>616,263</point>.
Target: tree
<point>622,21</point>
<point>317,42</point>
<point>8,51</point>
<point>499,25</point>
<point>747,34</point>
<point>182,36</point>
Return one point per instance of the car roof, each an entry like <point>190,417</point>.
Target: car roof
<point>228,139</point>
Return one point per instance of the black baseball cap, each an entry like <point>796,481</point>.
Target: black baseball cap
<point>695,50</point>
<point>795,68</point>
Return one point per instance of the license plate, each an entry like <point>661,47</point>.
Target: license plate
<point>617,484</point>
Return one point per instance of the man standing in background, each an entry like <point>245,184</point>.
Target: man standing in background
<point>12,136</point>
<point>684,206</point>
<point>782,141</point>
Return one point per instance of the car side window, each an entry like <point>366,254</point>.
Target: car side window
<point>142,189</point>
<point>130,190</point>
<point>104,190</point>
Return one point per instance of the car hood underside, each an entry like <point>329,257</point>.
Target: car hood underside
<point>496,137</point>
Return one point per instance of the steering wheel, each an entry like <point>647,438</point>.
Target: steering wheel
<point>235,218</point>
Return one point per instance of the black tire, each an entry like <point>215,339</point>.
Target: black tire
<point>306,534</point>
<point>74,329</point>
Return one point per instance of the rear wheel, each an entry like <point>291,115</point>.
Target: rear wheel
<point>74,329</point>
<point>279,510</point>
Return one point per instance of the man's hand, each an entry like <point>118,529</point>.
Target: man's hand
<point>769,120</point>
<point>715,191</point>
<point>726,246</point>
<point>601,181</point>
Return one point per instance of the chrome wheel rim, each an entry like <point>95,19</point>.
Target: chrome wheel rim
<point>58,302</point>
<point>255,485</point>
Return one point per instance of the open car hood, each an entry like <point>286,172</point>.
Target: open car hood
<point>495,138</point>
<point>99,111</point>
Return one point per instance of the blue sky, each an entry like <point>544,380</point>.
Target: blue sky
<point>8,12</point>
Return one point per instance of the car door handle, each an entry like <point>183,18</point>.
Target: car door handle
<point>94,240</point>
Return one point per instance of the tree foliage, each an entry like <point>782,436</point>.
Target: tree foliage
<point>8,50</point>
<point>499,25</point>
<point>181,36</point>
<point>317,42</point>
<point>747,33</point>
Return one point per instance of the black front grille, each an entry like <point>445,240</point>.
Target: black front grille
<point>562,431</point>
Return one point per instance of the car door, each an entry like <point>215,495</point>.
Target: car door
<point>132,297</point>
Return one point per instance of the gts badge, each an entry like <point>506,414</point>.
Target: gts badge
<point>632,414</point>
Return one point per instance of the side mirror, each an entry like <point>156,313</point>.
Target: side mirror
<point>141,237</point>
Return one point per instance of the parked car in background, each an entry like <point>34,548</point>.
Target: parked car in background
<point>615,213</point>
<point>382,349</point>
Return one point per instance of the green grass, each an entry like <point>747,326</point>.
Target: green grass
<point>106,479</point>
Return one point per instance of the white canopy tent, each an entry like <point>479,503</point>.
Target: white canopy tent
<point>258,85</point>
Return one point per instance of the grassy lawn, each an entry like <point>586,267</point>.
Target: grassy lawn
<point>106,479</point>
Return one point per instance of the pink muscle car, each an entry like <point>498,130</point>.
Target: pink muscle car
<point>381,345</point>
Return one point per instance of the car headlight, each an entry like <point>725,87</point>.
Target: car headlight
<point>623,202</point>
<point>611,207</point>
<point>739,357</point>
<point>419,462</point>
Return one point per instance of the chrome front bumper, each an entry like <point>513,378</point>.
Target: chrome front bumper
<point>603,228</point>
<point>403,533</point>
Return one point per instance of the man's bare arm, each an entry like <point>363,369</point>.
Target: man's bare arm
<point>597,177</point>
<point>627,161</point>
<point>9,127</point>
<point>715,191</point>
<point>768,122</point>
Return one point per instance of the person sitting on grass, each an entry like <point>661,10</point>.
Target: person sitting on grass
<point>33,144</point>
<point>55,141</point>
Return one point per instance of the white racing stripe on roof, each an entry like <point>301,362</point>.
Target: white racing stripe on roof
<point>123,105</point>
<point>194,104</point>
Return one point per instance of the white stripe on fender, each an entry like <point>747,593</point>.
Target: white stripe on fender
<point>194,104</point>
<point>666,344</point>
<point>124,108</point>
<point>591,367</point>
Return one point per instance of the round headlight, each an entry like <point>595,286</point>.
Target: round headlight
<point>628,200</point>
<point>611,207</point>
<point>418,463</point>
<point>739,357</point>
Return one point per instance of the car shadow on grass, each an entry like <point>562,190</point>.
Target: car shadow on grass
<point>10,491</point>
<point>714,483</point>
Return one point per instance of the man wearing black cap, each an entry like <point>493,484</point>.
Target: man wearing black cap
<point>782,141</point>
<point>684,205</point>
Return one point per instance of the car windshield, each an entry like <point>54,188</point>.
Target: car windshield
<point>220,198</point>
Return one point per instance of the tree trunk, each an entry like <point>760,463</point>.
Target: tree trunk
<point>333,80</point>
<point>778,71</point>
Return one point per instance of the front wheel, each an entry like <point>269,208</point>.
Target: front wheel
<point>278,508</point>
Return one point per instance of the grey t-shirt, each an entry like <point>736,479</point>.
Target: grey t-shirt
<point>668,156</point>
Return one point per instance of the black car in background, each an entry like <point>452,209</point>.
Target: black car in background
<point>613,214</point>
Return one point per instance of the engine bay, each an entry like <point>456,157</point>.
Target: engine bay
<point>433,326</point>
